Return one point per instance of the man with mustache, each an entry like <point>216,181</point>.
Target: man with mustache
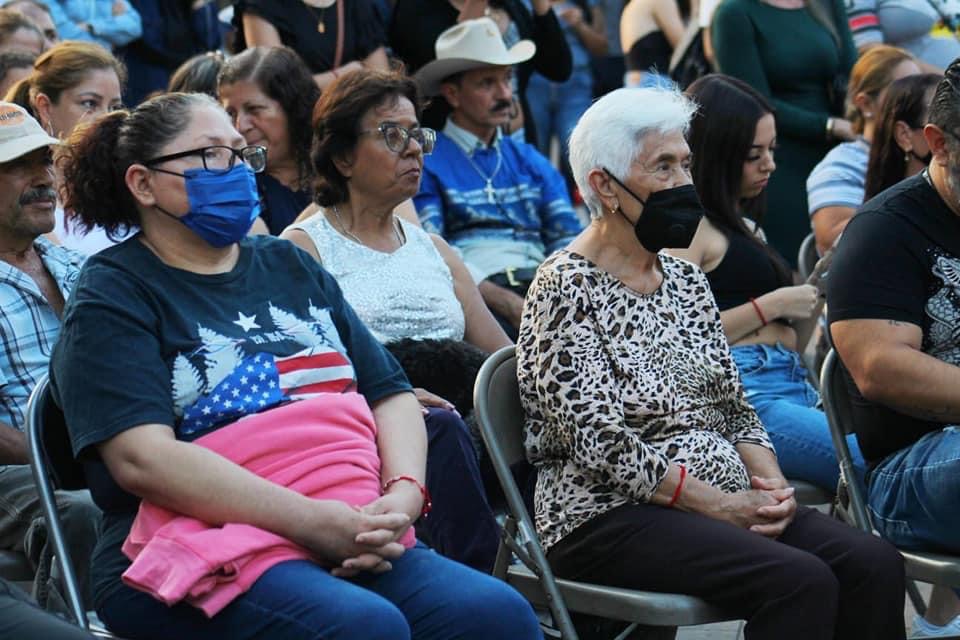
<point>894,299</point>
<point>35,279</point>
<point>499,202</point>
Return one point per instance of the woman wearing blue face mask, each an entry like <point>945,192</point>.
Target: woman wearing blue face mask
<point>654,471</point>
<point>275,445</point>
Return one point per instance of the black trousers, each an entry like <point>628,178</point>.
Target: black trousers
<point>821,579</point>
<point>461,525</point>
<point>20,619</point>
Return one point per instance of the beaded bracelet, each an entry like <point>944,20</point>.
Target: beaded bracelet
<point>427,501</point>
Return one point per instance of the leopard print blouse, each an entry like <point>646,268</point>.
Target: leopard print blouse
<point>616,385</point>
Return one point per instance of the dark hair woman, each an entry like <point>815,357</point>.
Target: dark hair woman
<point>269,93</point>
<point>198,74</point>
<point>899,149</point>
<point>409,287</point>
<point>306,503</point>
<point>733,138</point>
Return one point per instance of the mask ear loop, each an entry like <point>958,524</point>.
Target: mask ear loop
<point>624,187</point>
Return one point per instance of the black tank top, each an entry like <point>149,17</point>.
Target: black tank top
<point>650,53</point>
<point>745,272</point>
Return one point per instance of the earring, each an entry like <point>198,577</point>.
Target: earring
<point>906,158</point>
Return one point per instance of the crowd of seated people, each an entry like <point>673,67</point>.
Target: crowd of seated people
<point>766,318</point>
<point>835,186</point>
<point>344,197</point>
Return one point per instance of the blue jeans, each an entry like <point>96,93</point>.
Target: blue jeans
<point>775,382</point>
<point>556,107</point>
<point>424,596</point>
<point>914,494</point>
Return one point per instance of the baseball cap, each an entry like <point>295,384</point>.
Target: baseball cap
<point>20,133</point>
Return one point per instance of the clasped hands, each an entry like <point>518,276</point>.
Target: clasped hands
<point>365,538</point>
<point>767,508</point>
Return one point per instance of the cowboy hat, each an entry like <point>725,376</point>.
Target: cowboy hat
<point>471,44</point>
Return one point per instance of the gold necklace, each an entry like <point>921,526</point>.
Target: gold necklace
<point>321,27</point>
<point>346,232</point>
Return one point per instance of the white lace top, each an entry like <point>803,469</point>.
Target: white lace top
<point>405,294</point>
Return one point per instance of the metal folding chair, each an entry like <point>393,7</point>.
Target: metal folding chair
<point>933,568</point>
<point>54,467</point>
<point>807,256</point>
<point>501,420</point>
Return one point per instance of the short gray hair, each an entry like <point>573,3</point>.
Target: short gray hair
<point>610,133</point>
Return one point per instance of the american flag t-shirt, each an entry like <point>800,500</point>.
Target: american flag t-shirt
<point>227,378</point>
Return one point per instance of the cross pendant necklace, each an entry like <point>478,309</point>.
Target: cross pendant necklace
<point>489,190</point>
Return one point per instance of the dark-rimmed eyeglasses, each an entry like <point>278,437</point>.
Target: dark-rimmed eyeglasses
<point>396,137</point>
<point>219,158</point>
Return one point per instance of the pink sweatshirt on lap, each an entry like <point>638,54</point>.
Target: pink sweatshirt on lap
<point>324,448</point>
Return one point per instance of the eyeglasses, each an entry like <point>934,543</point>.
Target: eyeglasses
<point>396,137</point>
<point>220,159</point>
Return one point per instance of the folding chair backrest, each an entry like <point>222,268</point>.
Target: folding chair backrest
<point>497,399</point>
<point>54,467</point>
<point>807,256</point>
<point>501,418</point>
<point>839,409</point>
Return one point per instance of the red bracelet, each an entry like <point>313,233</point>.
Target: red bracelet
<point>676,492</point>
<point>756,307</point>
<point>427,501</point>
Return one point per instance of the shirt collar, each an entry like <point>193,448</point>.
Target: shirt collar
<point>467,142</point>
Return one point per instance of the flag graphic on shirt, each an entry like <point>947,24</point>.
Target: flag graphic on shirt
<point>231,383</point>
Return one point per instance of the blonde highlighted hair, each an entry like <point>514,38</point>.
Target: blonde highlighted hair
<point>872,73</point>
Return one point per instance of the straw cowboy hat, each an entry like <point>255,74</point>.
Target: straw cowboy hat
<point>471,44</point>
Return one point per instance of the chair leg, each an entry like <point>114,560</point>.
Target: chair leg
<point>504,555</point>
<point>915,598</point>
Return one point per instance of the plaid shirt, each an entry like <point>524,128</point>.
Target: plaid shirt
<point>29,327</point>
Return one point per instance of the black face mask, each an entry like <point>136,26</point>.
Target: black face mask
<point>670,217</point>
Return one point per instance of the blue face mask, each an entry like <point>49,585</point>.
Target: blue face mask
<point>223,206</point>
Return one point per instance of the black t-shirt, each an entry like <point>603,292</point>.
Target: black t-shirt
<point>143,343</point>
<point>899,259</point>
<point>280,205</point>
<point>297,24</point>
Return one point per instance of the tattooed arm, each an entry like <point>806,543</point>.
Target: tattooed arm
<point>885,361</point>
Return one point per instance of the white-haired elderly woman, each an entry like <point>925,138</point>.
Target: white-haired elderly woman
<point>654,471</point>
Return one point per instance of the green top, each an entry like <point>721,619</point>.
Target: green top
<point>786,55</point>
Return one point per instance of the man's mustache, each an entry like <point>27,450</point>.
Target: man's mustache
<point>501,105</point>
<point>38,194</point>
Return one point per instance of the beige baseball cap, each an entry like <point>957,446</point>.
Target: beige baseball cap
<point>20,133</point>
<point>471,44</point>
